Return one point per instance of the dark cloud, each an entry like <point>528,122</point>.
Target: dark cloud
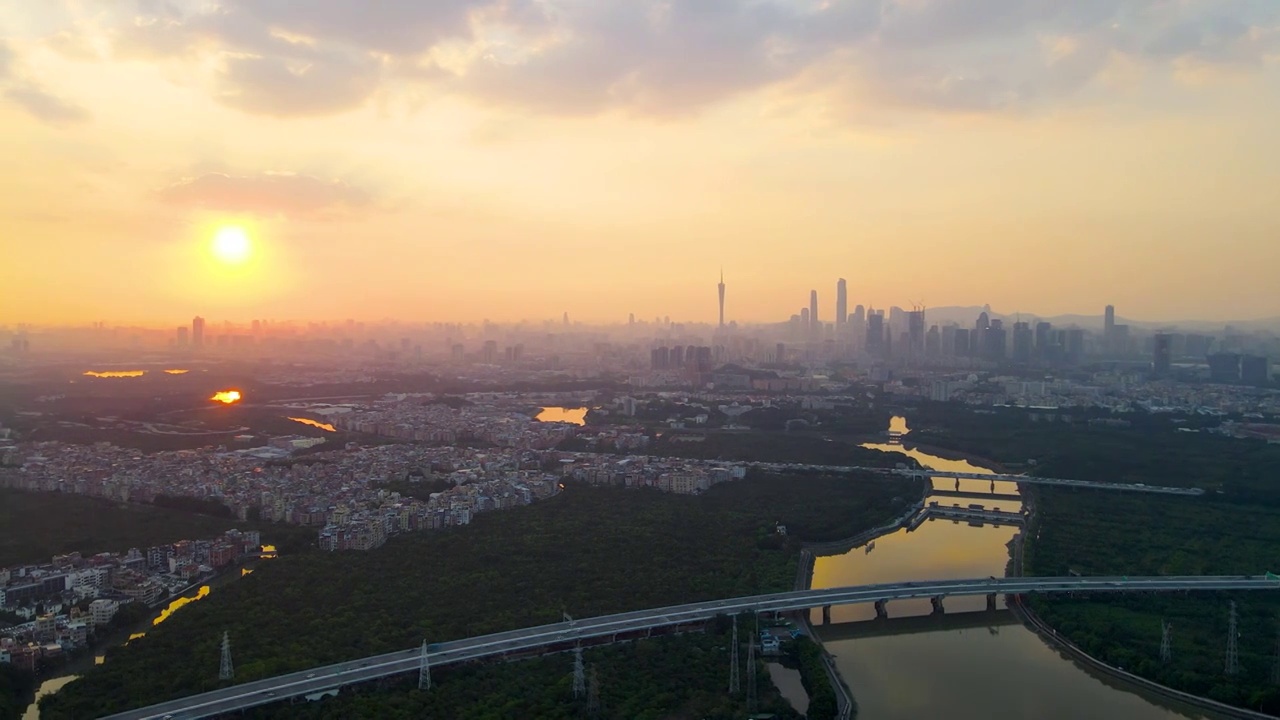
<point>44,106</point>
<point>268,194</point>
<point>664,57</point>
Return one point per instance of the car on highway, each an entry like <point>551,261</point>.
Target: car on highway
<point>310,675</point>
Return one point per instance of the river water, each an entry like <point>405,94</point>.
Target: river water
<point>900,672</point>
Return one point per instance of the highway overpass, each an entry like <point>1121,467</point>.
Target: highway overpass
<point>564,634</point>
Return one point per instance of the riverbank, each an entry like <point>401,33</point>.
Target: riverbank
<point>1049,635</point>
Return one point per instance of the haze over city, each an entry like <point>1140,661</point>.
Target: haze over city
<point>614,359</point>
<point>514,160</point>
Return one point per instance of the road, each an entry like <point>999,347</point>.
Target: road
<point>330,677</point>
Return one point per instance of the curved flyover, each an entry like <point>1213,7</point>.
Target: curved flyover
<point>332,677</point>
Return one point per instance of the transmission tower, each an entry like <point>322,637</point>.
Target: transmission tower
<point>751,674</point>
<point>424,669</point>
<point>733,659</point>
<point>579,677</point>
<point>1233,656</point>
<point>1165,650</point>
<point>593,694</point>
<point>226,671</point>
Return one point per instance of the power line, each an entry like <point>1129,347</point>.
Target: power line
<point>1165,650</point>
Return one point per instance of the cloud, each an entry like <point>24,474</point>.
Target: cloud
<point>671,57</point>
<point>281,87</point>
<point>268,194</point>
<point>44,106</point>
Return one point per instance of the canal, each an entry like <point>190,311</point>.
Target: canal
<point>948,667</point>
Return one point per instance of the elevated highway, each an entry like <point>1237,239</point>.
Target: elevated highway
<point>565,634</point>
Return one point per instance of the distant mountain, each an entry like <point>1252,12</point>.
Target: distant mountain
<point>966,316</point>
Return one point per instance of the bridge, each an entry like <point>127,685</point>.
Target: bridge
<point>631,624</point>
<point>976,495</point>
<point>971,515</point>
<point>882,627</point>
<point>918,474</point>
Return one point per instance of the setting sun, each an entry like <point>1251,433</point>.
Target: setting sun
<point>226,396</point>
<point>231,245</point>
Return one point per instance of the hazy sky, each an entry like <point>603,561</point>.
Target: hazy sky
<point>460,159</point>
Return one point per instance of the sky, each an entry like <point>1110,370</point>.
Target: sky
<point>458,160</point>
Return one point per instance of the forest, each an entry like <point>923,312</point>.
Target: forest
<point>591,551</point>
<point>663,677</point>
<point>16,686</point>
<point>91,525</point>
<point>776,447</point>
<point>1096,533</point>
<point>1151,449</point>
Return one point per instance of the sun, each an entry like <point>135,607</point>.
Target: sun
<point>231,245</point>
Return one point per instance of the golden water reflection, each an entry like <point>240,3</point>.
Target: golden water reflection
<point>573,416</point>
<point>226,396</point>
<point>115,373</point>
<point>176,372</point>
<point>180,602</point>
<point>48,687</point>
<point>314,423</point>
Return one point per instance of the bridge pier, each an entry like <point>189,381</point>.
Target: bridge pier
<point>991,602</point>
<point>826,614</point>
<point>882,612</point>
<point>936,601</point>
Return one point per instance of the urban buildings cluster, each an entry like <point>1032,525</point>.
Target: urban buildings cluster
<point>60,604</point>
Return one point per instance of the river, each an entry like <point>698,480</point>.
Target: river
<point>928,669</point>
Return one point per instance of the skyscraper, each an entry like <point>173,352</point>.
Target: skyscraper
<point>842,305</point>
<point>1022,342</point>
<point>1162,355</point>
<point>813,313</point>
<point>875,333</point>
<point>721,288</point>
<point>1108,320</point>
<point>197,331</point>
<point>915,332</point>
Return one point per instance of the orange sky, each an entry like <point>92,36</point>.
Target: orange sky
<point>514,159</point>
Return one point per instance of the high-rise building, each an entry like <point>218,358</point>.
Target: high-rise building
<point>181,337</point>
<point>813,314</point>
<point>842,305</point>
<point>1162,355</point>
<point>1253,370</point>
<point>1108,320</point>
<point>1022,342</point>
<point>1224,367</point>
<point>197,331</point>
<point>875,333</point>
<point>720,287</point>
<point>915,332</point>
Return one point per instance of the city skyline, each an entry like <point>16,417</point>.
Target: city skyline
<point>239,159</point>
